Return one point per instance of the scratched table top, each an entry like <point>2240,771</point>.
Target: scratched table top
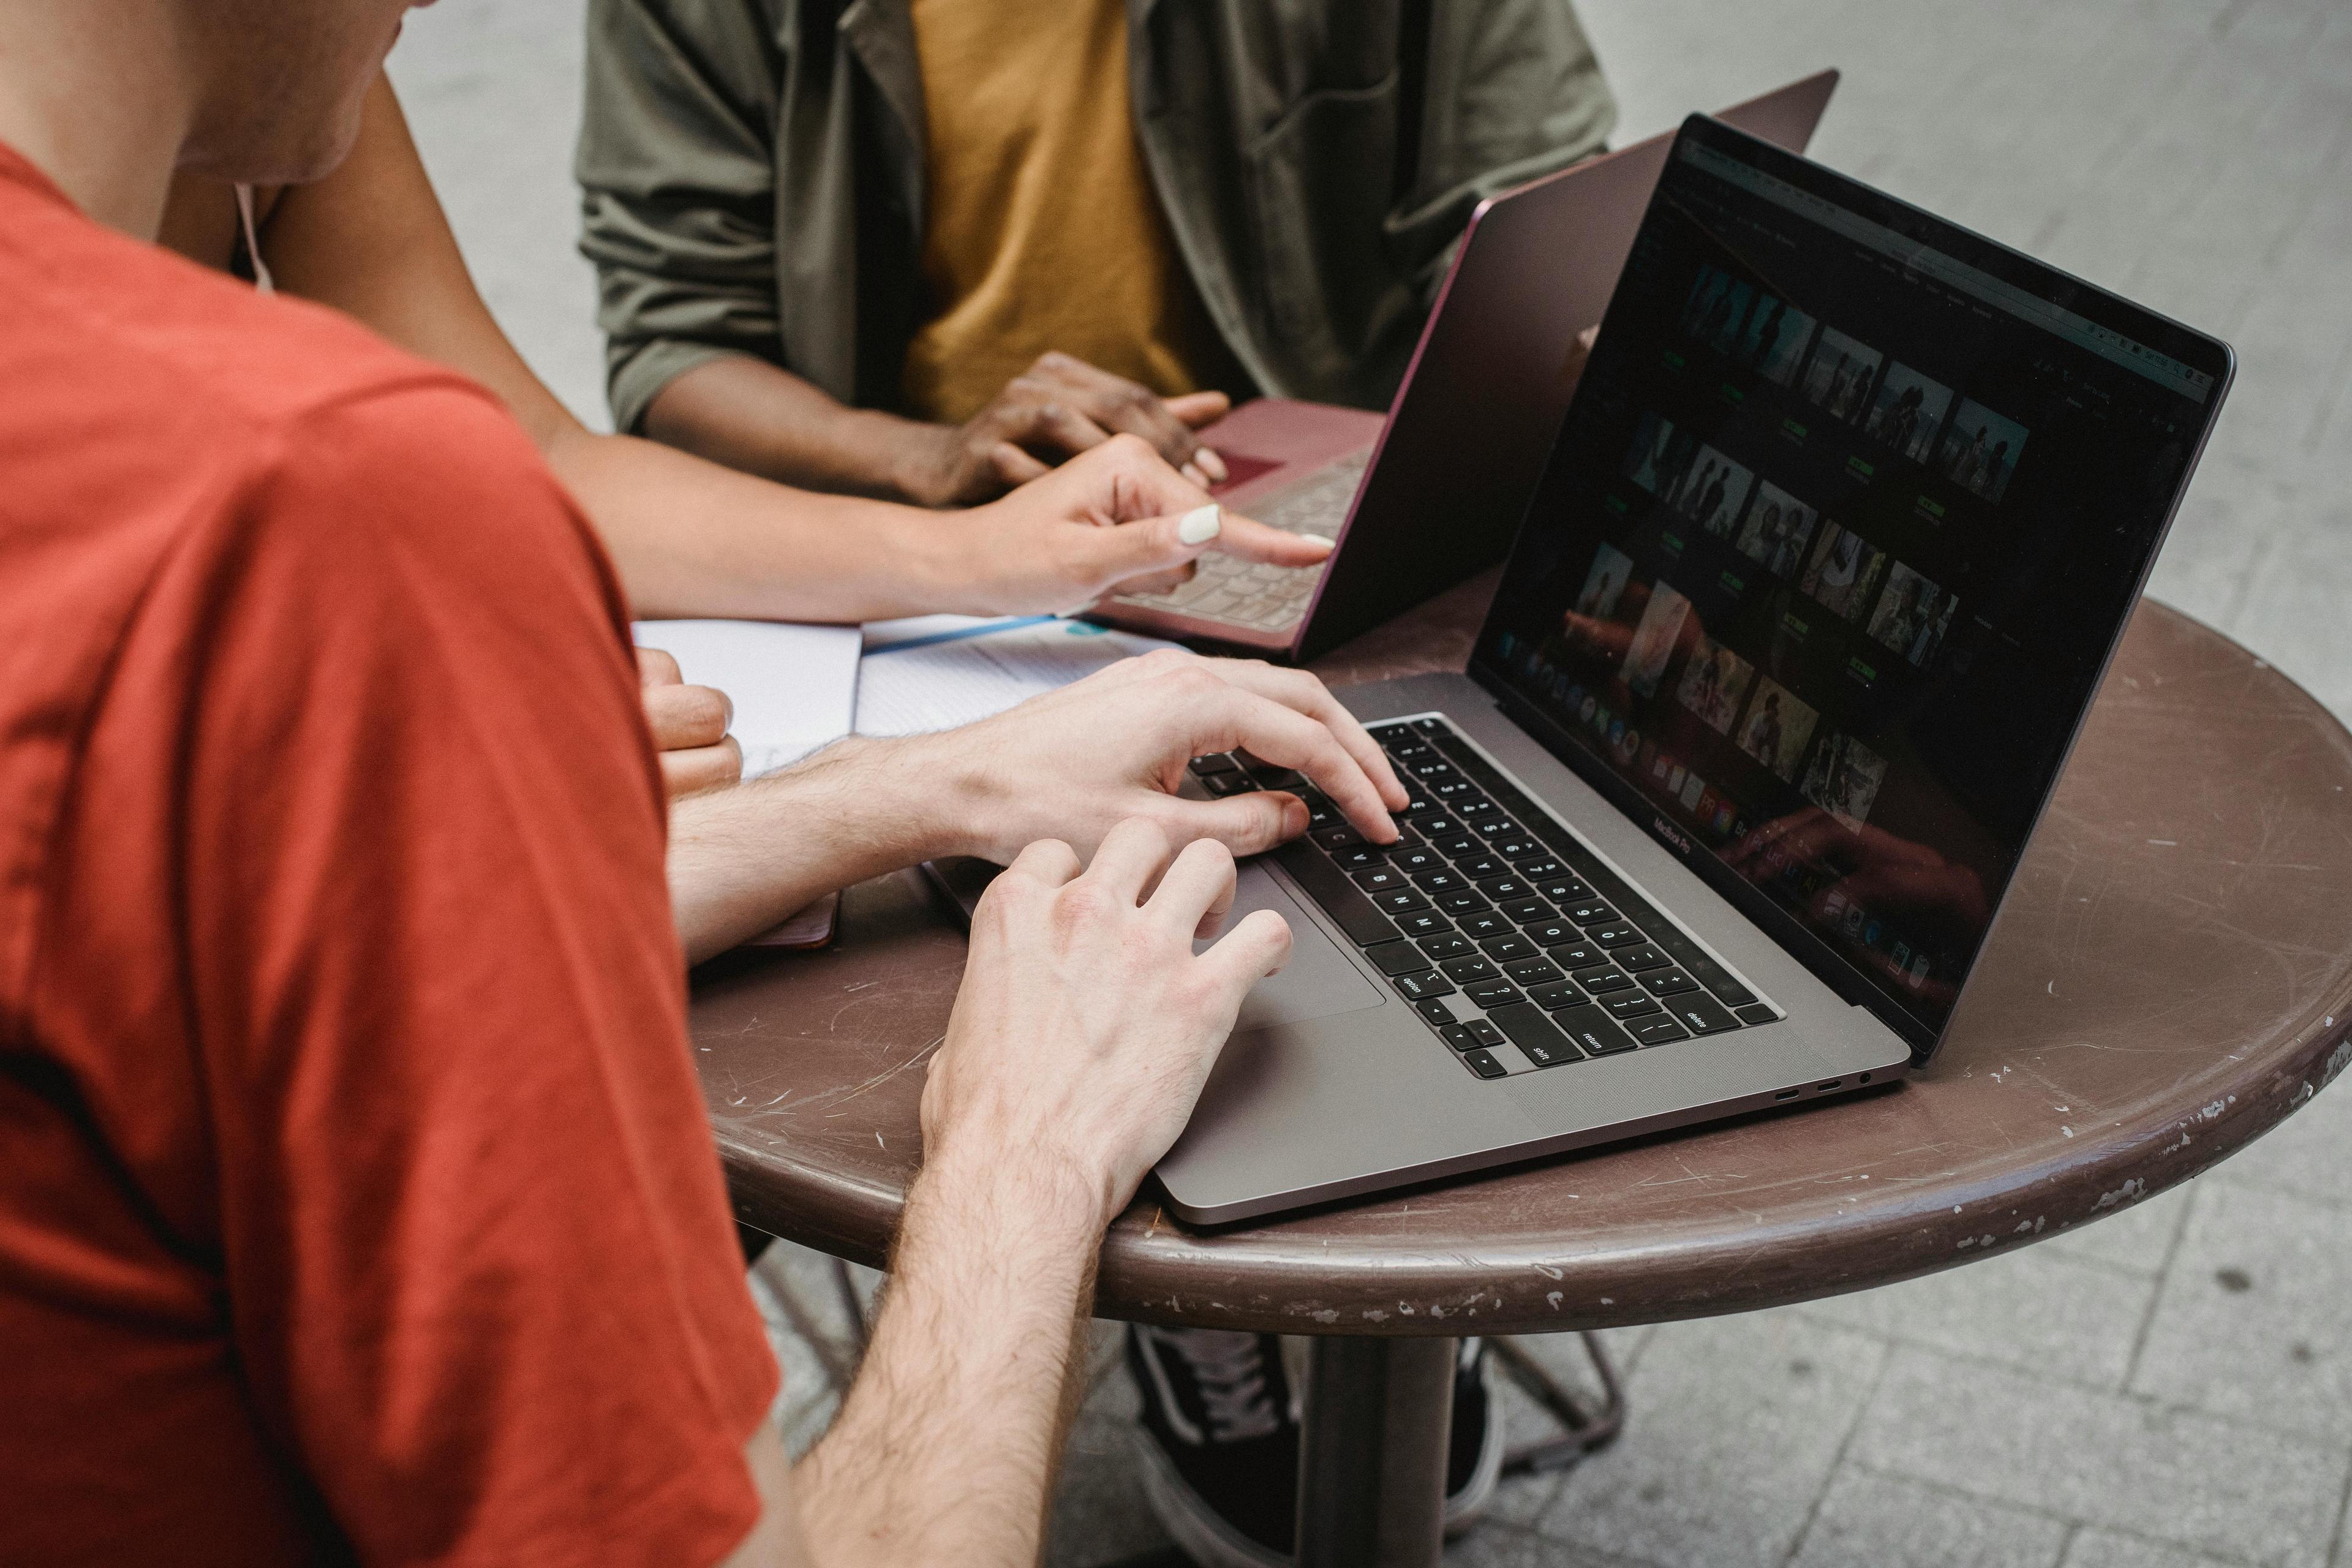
<point>2171,976</point>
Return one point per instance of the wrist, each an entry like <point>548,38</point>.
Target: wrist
<point>961,806</point>
<point>917,459</point>
<point>1041,1200</point>
<point>869,453</point>
<point>942,561</point>
<point>890,796</point>
<point>872,793</point>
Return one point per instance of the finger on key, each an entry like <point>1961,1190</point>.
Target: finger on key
<point>1290,739</point>
<point>1298,689</point>
<point>1118,403</point>
<point>1248,823</point>
<point>1156,582</point>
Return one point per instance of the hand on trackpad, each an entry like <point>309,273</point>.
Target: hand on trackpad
<point>1318,981</point>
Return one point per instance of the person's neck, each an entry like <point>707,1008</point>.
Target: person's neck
<point>96,94</point>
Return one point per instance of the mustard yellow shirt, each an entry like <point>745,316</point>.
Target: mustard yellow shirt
<point>1044,231</point>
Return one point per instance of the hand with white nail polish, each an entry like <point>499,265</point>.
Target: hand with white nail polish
<point>1115,519</point>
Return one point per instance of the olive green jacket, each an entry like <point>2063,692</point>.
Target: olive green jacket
<point>752,175</point>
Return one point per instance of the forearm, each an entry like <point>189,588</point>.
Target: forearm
<point>758,418</point>
<point>945,1448</point>
<point>741,859</point>
<point>690,538</point>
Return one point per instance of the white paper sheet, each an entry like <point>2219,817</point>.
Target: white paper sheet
<point>941,671</point>
<point>794,688</point>
<point>936,628</point>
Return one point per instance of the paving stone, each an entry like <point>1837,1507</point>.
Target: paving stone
<point>2036,1310</point>
<point>2110,1459</point>
<point>1493,1545</point>
<point>2310,1152</point>
<point>1564,1357</point>
<point>2105,1549</point>
<point>2298,595</point>
<point>806,1399</point>
<point>1099,1512</point>
<point>1870,1521</point>
<point>2209,560</point>
<point>1525,1421</point>
<point>2255,1318</point>
<point>2217,543</point>
<point>1734,1430</point>
<point>2138,1238</point>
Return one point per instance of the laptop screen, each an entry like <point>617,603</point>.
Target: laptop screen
<point>1836,541</point>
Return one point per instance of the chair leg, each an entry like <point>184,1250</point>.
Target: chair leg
<point>1581,1431</point>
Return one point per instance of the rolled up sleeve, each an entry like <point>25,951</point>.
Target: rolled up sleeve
<point>676,166</point>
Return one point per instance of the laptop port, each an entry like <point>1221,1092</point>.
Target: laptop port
<point>1786,1094</point>
<point>1862,1078</point>
<point>1826,1088</point>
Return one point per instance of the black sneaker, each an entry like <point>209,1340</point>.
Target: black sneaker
<point>1219,1438</point>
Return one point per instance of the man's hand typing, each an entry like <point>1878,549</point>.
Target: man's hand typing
<point>1070,764</point>
<point>1084,1032</point>
<point>1087,1026</point>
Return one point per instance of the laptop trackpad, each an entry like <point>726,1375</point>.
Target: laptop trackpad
<point>1318,981</point>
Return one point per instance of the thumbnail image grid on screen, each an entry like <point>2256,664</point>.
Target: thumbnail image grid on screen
<point>1819,570</point>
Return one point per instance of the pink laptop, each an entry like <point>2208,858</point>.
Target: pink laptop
<point>1433,492</point>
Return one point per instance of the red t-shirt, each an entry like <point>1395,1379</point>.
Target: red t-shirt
<point>356,1195</point>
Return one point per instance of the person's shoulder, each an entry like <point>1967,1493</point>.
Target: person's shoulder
<point>135,331</point>
<point>149,397</point>
<point>387,485</point>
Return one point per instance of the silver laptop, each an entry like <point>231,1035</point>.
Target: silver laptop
<point>1837,538</point>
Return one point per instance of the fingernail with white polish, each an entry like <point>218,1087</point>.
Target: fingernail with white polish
<point>1212,465</point>
<point>1200,525</point>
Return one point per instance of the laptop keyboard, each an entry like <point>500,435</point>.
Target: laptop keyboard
<point>1268,598</point>
<point>1494,922</point>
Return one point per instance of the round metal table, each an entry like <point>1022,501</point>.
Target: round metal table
<point>2170,976</point>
